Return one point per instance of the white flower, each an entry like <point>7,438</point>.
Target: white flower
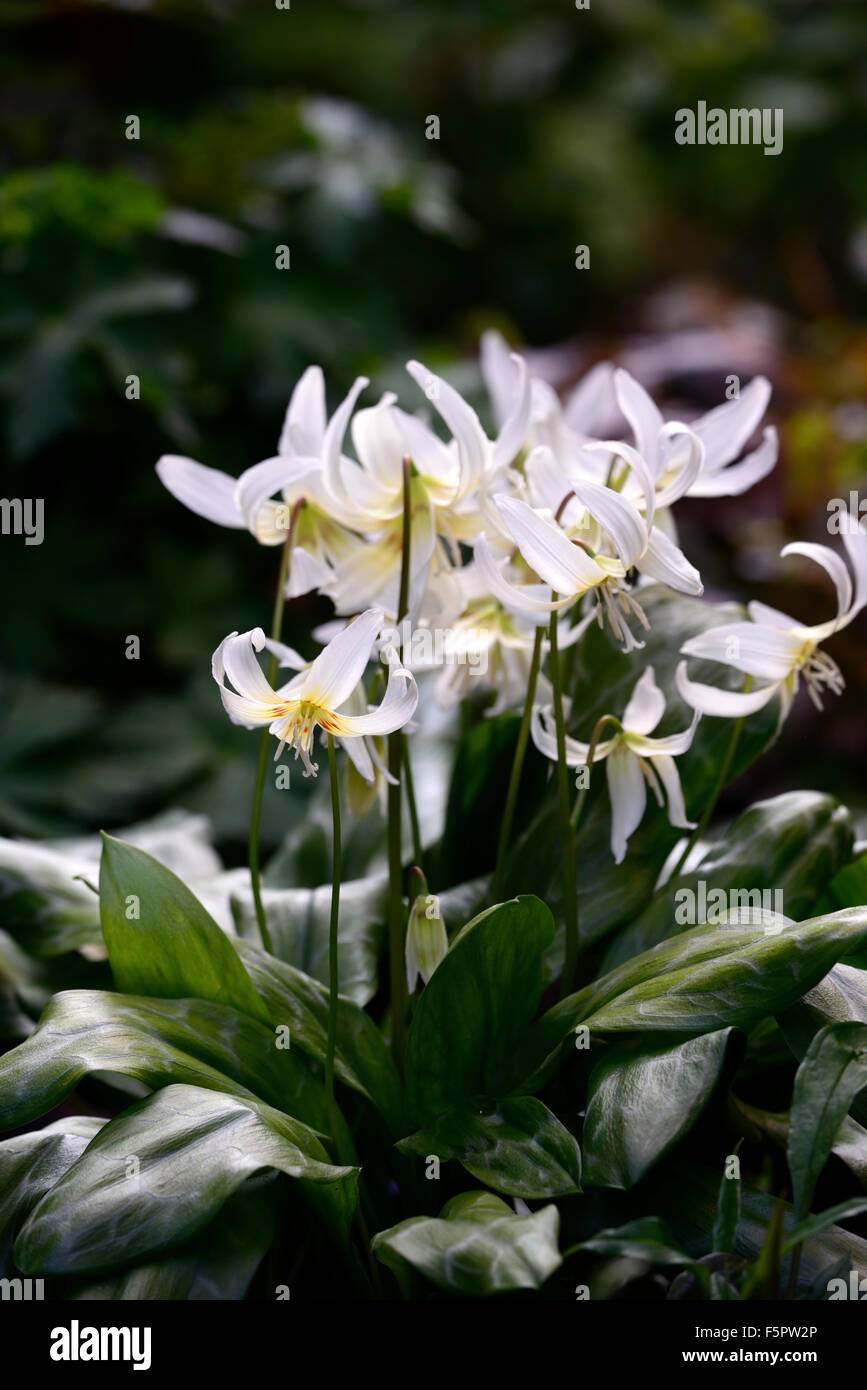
<point>777,648</point>
<point>633,759</point>
<point>314,698</point>
<point>426,939</point>
<point>569,549</point>
<point>723,432</point>
<point>321,537</point>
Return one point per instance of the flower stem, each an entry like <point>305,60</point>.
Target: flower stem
<point>567,834</point>
<point>397,972</point>
<point>417,850</point>
<point>719,787</point>
<point>517,768</point>
<point>331,1044</point>
<point>264,739</point>
<point>591,754</point>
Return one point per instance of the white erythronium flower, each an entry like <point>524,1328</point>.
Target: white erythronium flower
<point>723,432</point>
<point>295,473</point>
<point>562,548</point>
<point>316,696</point>
<point>633,760</point>
<point>777,648</point>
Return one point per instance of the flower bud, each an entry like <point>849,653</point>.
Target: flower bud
<point>426,940</point>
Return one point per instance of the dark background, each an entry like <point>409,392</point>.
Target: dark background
<point>306,127</point>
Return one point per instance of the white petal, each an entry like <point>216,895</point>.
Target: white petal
<point>304,425</point>
<point>740,477</point>
<point>516,426</point>
<point>397,708</point>
<point>637,462</point>
<point>359,755</point>
<point>666,768</point>
<point>566,567</point>
<point>206,491</point>
<point>647,747</point>
<point>725,430</point>
<point>686,465</point>
<point>257,484</point>
<point>339,667</point>
<point>286,656</point>
<point>461,419</point>
<point>628,793</point>
<point>617,516</point>
<point>252,701</point>
<point>495,359</point>
<point>642,414</point>
<point>855,541</point>
<point>544,736</point>
<point>332,444</point>
<point>646,705</point>
<point>767,652</point>
<point>591,400</point>
<point>525,599</point>
<point>664,560</point>
<point>833,564</point>
<point>726,704</point>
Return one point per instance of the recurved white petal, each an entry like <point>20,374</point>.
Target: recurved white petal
<point>397,708</point>
<point>206,491</point>
<point>623,522</point>
<point>666,768</point>
<point>332,444</point>
<point>767,652</point>
<point>588,405</point>
<point>646,705</point>
<point>664,560</point>
<point>339,667</point>
<point>726,429</point>
<point>304,424</point>
<point>628,793</point>
<point>566,567</point>
<point>832,563</point>
<point>739,477</point>
<point>516,426</point>
<point>726,704</point>
<point>461,419</point>
<point>643,416</point>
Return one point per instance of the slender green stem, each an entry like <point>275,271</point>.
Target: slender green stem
<point>517,768</point>
<point>265,738</point>
<point>332,943</point>
<point>418,852</point>
<point>397,971</point>
<point>719,787</point>
<point>591,754</point>
<point>567,835</point>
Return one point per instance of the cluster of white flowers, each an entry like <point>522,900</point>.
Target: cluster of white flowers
<point>544,518</point>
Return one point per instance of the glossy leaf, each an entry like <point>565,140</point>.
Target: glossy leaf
<point>156,1176</point>
<point>830,1076</point>
<point>515,1146</point>
<point>476,1006</point>
<point>641,1104</point>
<point>161,942</point>
<point>476,1246</point>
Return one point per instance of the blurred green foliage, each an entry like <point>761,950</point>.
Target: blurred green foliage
<point>259,127</point>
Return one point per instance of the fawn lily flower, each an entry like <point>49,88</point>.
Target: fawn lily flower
<point>633,760</point>
<point>566,561</point>
<point>777,648</point>
<point>315,697</point>
<point>723,432</point>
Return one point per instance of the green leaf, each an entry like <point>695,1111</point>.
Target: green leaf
<point>44,904</point>
<point>157,1042</point>
<point>362,1059</point>
<point>704,979</point>
<point>299,918</point>
<point>30,1165</point>
<point>476,1006</point>
<point>639,1106</point>
<point>476,1246</point>
<point>648,1239</point>
<point>217,1266</point>
<point>172,948</point>
<point>848,887</point>
<point>815,1225</point>
<point>515,1146</point>
<point>791,844</point>
<point>830,1076</point>
<point>155,1176</point>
